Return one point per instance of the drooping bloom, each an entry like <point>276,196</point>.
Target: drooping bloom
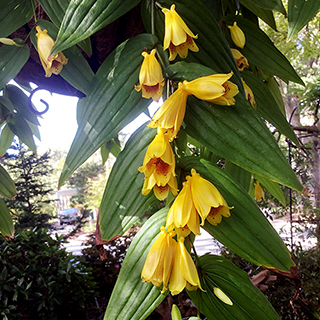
<point>184,272</point>
<point>150,77</point>
<point>44,44</point>
<point>182,215</point>
<point>178,37</point>
<point>159,263</point>
<point>159,168</point>
<point>170,115</point>
<point>237,35</point>
<point>258,192</point>
<point>214,88</point>
<point>249,94</point>
<point>240,59</point>
<point>208,201</point>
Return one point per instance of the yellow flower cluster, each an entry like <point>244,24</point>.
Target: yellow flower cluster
<point>168,262</point>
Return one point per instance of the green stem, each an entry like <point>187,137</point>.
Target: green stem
<point>152,18</point>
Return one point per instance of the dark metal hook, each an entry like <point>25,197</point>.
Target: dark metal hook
<point>39,113</point>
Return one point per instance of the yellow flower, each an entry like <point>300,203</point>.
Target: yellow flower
<point>182,215</point>
<point>237,35</point>
<point>50,64</point>
<point>214,88</point>
<point>208,201</point>
<point>249,94</point>
<point>184,272</point>
<point>159,168</point>
<point>159,263</point>
<point>178,37</point>
<point>150,77</point>
<point>170,115</point>
<point>241,60</point>
<point>258,192</point>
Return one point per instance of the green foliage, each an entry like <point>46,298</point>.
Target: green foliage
<point>39,280</point>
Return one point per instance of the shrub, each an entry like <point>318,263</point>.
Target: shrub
<point>39,280</point>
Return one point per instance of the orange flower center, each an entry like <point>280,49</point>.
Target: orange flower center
<point>161,167</point>
<point>214,211</point>
<point>151,89</point>
<point>226,88</point>
<point>161,189</point>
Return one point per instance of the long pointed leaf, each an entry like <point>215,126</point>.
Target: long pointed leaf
<point>248,302</point>
<point>6,139</point>
<point>14,14</point>
<point>247,231</point>
<point>112,103</point>
<point>7,186</point>
<point>269,5</point>
<point>123,203</point>
<point>83,18</point>
<point>261,52</point>
<point>12,59</point>
<point>300,12</point>
<point>131,298</point>
<point>6,223</point>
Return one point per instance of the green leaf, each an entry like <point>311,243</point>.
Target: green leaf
<point>6,139</point>
<point>77,71</point>
<point>109,147</point>
<point>273,87</point>
<point>12,59</point>
<point>237,134</point>
<point>243,177</point>
<point>247,231</point>
<point>55,9</point>
<point>7,186</point>
<point>20,102</point>
<point>273,188</point>
<point>14,14</point>
<point>267,107</point>
<point>248,301</point>
<point>276,5</point>
<point>112,103</point>
<point>83,18</point>
<point>261,52</point>
<point>131,298</point>
<point>123,203</point>
<point>264,14</point>
<point>300,12</point>
<point>6,223</point>
<point>20,127</point>
<point>214,50</point>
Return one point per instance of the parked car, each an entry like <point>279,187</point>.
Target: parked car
<point>69,215</point>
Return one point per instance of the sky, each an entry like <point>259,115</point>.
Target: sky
<point>58,125</point>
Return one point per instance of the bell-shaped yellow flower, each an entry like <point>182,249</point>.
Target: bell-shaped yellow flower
<point>178,37</point>
<point>44,44</point>
<point>170,115</point>
<point>184,272</point>
<point>240,59</point>
<point>159,168</point>
<point>237,35</point>
<point>150,77</point>
<point>159,263</point>
<point>249,94</point>
<point>258,192</point>
<point>182,215</point>
<point>214,88</point>
<point>208,201</point>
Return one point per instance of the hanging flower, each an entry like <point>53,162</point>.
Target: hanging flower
<point>184,272</point>
<point>241,60</point>
<point>207,200</point>
<point>159,263</point>
<point>237,35</point>
<point>258,192</point>
<point>45,44</point>
<point>170,115</point>
<point>249,94</point>
<point>182,215</point>
<point>178,37</point>
<point>214,88</point>
<point>150,77</point>
<point>159,168</point>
